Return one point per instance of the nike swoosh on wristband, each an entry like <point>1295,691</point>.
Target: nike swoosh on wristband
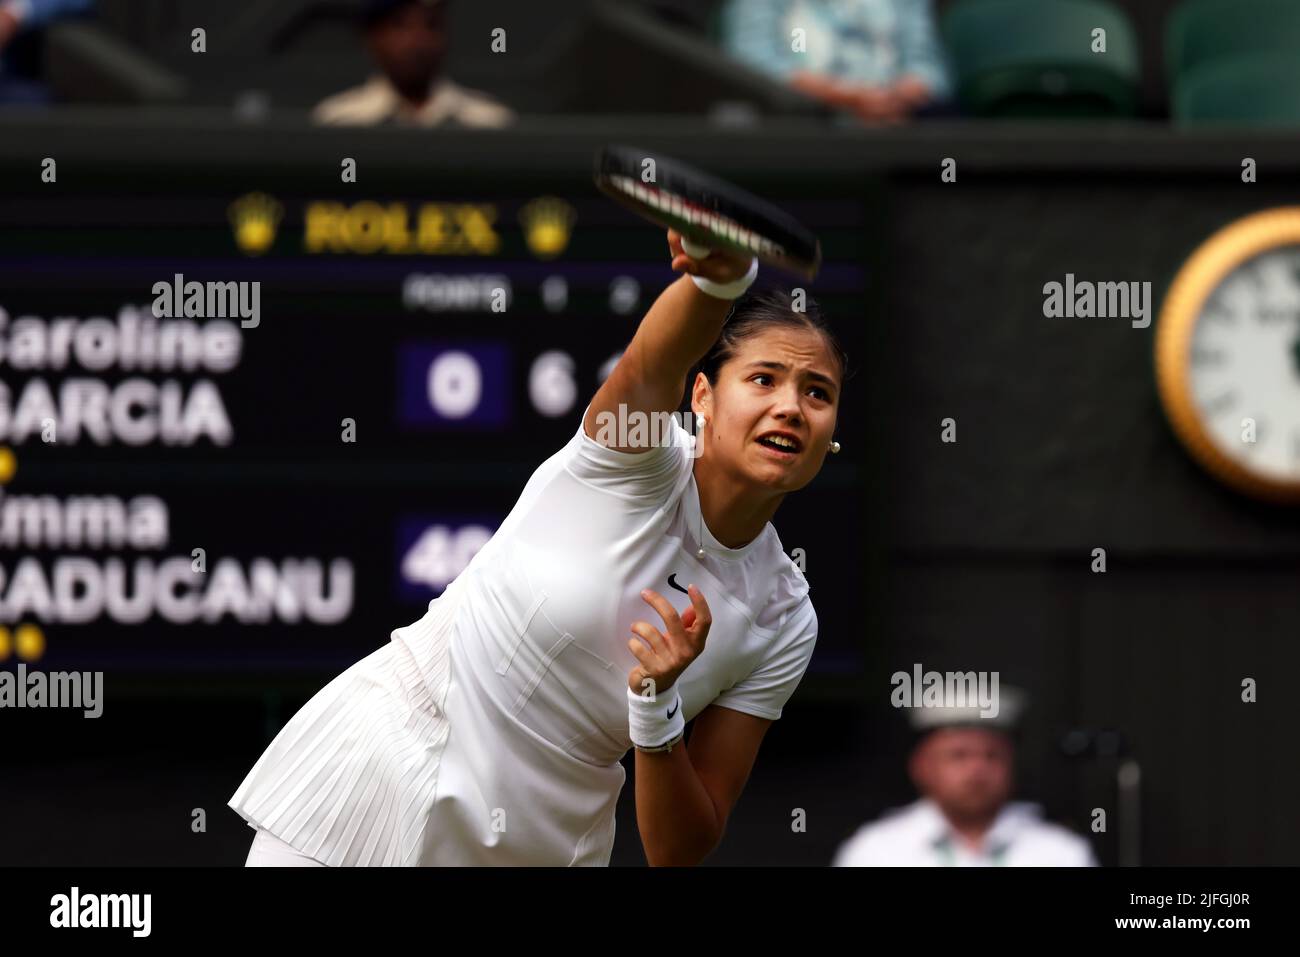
<point>673,711</point>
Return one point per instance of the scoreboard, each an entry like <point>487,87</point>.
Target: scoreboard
<point>252,431</point>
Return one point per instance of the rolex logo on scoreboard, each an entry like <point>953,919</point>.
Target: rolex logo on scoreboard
<point>547,222</point>
<point>255,218</point>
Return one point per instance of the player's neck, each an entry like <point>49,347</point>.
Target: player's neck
<point>735,515</point>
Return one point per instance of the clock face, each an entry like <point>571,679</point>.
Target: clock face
<point>1228,354</point>
<point>1244,365</point>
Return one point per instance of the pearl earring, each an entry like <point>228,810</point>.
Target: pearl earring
<point>835,447</point>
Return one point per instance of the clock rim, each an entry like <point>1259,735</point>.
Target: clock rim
<point>1213,260</point>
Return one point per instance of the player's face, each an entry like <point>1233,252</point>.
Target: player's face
<point>784,379</point>
<point>409,44</point>
<point>966,771</point>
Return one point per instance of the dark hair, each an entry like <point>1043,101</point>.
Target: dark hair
<point>756,312</point>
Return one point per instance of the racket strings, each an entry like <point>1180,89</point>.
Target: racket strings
<point>717,224</point>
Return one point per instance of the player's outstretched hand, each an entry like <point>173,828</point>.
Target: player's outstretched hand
<point>721,265</point>
<point>663,656</point>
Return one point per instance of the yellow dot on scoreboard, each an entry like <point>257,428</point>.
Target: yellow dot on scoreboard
<point>6,643</point>
<point>8,464</point>
<point>30,642</point>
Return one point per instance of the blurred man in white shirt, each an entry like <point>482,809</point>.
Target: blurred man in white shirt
<point>408,40</point>
<point>963,767</point>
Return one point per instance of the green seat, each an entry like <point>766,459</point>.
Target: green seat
<point>1204,30</point>
<point>1034,58</point>
<point>1257,90</point>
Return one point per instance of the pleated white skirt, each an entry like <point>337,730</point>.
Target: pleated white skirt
<point>269,851</point>
<point>351,779</point>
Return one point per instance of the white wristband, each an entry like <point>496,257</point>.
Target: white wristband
<point>728,290</point>
<point>654,721</point>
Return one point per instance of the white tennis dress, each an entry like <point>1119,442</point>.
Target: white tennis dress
<point>490,731</point>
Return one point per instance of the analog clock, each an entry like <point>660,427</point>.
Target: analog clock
<point>1228,355</point>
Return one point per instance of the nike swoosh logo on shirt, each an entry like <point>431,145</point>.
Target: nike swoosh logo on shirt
<point>674,710</point>
<point>672,581</point>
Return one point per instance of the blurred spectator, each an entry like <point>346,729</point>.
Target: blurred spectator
<point>963,767</point>
<point>20,53</point>
<point>408,40</point>
<point>879,59</point>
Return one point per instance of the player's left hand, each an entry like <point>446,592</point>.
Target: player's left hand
<point>663,656</point>
<point>720,265</point>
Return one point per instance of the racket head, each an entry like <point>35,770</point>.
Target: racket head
<point>706,209</point>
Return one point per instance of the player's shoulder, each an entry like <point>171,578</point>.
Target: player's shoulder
<point>789,597</point>
<point>789,566</point>
<point>667,439</point>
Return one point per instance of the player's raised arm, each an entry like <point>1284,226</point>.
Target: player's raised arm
<point>675,333</point>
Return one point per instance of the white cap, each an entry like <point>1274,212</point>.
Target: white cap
<point>1003,714</point>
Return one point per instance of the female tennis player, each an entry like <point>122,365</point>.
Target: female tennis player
<point>490,731</point>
